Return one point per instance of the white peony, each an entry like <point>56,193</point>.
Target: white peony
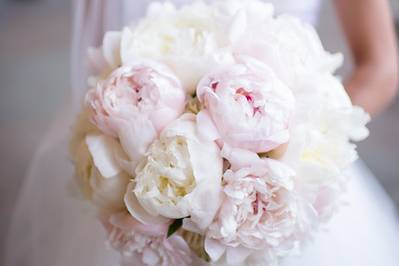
<point>286,44</point>
<point>186,39</point>
<point>98,173</point>
<point>325,124</point>
<point>320,149</point>
<point>180,177</point>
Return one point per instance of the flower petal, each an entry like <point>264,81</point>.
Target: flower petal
<point>237,255</point>
<point>205,126</point>
<point>214,249</point>
<point>137,211</point>
<point>111,48</point>
<point>102,150</point>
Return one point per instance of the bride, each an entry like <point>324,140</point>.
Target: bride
<point>50,227</point>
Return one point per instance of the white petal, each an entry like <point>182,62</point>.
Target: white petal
<point>238,26</point>
<point>203,203</point>
<point>111,48</point>
<point>358,121</point>
<point>137,211</point>
<point>102,150</point>
<point>126,40</point>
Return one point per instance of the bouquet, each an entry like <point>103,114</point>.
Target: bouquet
<point>214,133</point>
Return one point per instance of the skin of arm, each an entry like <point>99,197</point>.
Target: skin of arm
<point>369,30</point>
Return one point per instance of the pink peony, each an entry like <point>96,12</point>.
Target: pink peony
<point>145,244</point>
<point>259,211</point>
<point>135,103</point>
<point>245,106</point>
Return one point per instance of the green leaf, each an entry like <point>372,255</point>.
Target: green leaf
<point>173,227</point>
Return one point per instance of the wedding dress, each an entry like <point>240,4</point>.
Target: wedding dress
<point>52,228</point>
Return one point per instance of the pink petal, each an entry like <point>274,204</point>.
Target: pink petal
<point>136,136</point>
<point>237,255</point>
<point>205,126</point>
<point>239,158</point>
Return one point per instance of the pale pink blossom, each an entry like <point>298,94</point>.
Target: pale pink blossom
<point>146,245</point>
<point>135,103</point>
<point>259,211</point>
<point>245,106</point>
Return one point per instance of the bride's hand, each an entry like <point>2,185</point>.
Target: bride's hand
<point>369,29</point>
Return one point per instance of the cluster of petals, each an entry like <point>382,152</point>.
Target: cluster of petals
<point>258,210</point>
<point>145,245</point>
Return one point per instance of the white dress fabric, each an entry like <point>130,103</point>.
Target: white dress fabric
<point>52,228</point>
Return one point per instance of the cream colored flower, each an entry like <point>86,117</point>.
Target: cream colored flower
<point>180,177</point>
<point>186,39</point>
<point>98,173</point>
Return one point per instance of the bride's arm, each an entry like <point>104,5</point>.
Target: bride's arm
<point>369,29</point>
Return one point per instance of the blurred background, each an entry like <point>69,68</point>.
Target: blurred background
<point>34,79</point>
